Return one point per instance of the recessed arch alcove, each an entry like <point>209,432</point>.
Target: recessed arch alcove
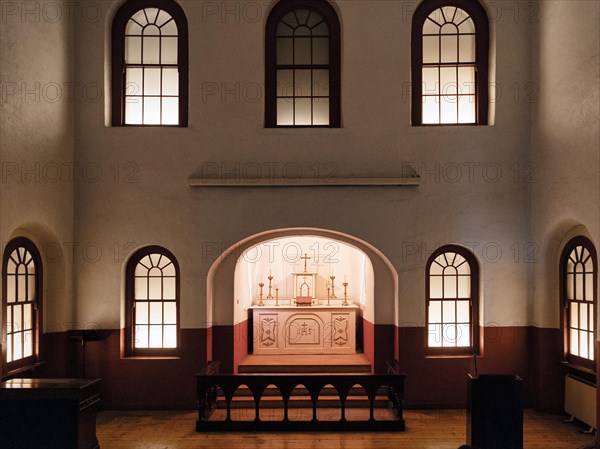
<point>228,327</point>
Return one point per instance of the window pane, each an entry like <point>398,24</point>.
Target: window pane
<point>431,110</point>
<point>170,82</point>
<point>169,288</point>
<point>169,50</point>
<point>27,317</point>
<point>141,288</point>
<point>435,336</point>
<point>448,109</point>
<point>431,80</point>
<point>303,115</point>
<point>464,286</point>
<point>134,81</point>
<point>152,111</point>
<point>435,287</point>
<point>466,109</point>
<point>302,54</point>
<point>320,50</point>
<point>430,27</point>
<point>141,337</point>
<point>169,29</point>
<point>11,289</point>
<point>435,312</point>
<point>170,111</point>
<point>21,288</point>
<point>320,83</point>
<point>170,313</point>
<point>579,286</point>
<point>27,344</point>
<point>151,50</point>
<point>583,344</point>
<point>466,50</point>
<point>320,111</point>
<point>156,313</point>
<point>170,337</point>
<point>462,312</point>
<point>449,49</point>
<point>155,288</point>
<point>285,51</point>
<point>450,287</point>
<point>285,83</point>
<point>591,345</point>
<point>466,80</point>
<point>574,342</point>
<point>449,335</point>
<point>589,287</point>
<point>133,111</point>
<point>431,49</point>
<point>303,83</point>
<point>141,313</point>
<point>9,346</point>
<point>285,111</point>
<point>570,282</point>
<point>449,312</point>
<point>583,317</point>
<point>574,312</point>
<point>449,82</point>
<point>155,338</point>
<point>466,26</point>
<point>133,50</point>
<point>152,81</point>
<point>464,335</point>
<point>17,318</point>
<point>17,346</point>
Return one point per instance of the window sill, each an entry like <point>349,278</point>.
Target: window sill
<point>451,356</point>
<point>23,369</point>
<point>577,367</point>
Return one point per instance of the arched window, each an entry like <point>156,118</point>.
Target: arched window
<point>21,303</point>
<point>450,51</point>
<point>150,64</point>
<point>579,280</point>
<point>302,65</point>
<point>152,291</point>
<point>452,290</point>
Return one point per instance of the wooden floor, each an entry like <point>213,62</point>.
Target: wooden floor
<point>426,429</point>
<point>305,363</point>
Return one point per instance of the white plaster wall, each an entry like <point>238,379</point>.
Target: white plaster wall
<point>566,141</point>
<point>472,189</point>
<point>36,143</point>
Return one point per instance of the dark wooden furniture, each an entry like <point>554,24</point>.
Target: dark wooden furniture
<point>495,412</point>
<point>49,413</point>
<point>210,380</point>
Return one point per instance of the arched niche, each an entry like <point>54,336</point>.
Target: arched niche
<point>228,327</point>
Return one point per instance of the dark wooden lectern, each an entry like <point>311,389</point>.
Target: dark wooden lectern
<point>49,413</point>
<point>495,412</point>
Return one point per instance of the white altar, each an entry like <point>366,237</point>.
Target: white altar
<point>304,329</point>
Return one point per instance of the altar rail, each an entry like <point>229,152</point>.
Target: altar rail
<point>209,380</point>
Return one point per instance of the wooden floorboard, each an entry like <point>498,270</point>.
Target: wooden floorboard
<point>425,429</point>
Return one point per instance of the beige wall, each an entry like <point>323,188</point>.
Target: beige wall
<point>36,142</point>
<point>566,141</point>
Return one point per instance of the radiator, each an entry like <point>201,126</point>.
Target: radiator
<point>580,400</point>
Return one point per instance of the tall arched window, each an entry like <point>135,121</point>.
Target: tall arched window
<point>302,65</point>
<point>450,51</point>
<point>21,303</point>
<point>452,290</point>
<point>152,291</point>
<point>579,280</point>
<point>150,64</point>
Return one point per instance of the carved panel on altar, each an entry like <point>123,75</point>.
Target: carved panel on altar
<point>305,330</point>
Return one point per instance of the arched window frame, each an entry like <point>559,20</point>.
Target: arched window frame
<point>323,8</point>
<point>482,44</point>
<point>475,329</point>
<point>36,315</point>
<point>118,87</point>
<point>578,241</point>
<point>130,331</point>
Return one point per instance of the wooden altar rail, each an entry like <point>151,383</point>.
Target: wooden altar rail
<point>209,380</point>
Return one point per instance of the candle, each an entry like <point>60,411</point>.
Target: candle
<point>345,280</point>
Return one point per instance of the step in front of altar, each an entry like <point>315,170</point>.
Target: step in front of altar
<point>305,364</point>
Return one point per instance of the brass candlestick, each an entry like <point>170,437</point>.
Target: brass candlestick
<point>328,297</point>
<point>260,301</point>
<point>270,296</point>
<point>276,297</point>
<point>345,303</point>
<point>332,277</point>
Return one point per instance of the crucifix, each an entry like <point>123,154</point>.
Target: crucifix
<point>305,258</point>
